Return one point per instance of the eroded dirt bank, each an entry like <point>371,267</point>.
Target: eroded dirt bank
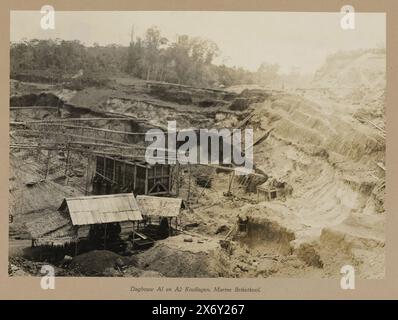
<point>332,161</point>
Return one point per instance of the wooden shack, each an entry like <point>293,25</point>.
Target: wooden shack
<point>153,208</point>
<point>78,216</point>
<point>273,189</point>
<point>113,175</point>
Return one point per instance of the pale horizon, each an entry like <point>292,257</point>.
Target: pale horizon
<point>300,40</point>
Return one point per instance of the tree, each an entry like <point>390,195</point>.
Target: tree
<point>187,60</point>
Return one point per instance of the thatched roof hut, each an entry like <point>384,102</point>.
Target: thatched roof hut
<point>34,202</point>
<point>30,193</point>
<point>52,228</point>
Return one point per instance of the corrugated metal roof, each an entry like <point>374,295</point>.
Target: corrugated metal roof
<point>159,206</point>
<point>102,209</point>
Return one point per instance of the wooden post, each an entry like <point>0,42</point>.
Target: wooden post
<point>114,171</point>
<point>170,177</point>
<point>47,164</point>
<point>87,175</point>
<point>105,236</point>
<point>58,110</point>
<point>104,181</point>
<point>124,174</point>
<point>135,177</point>
<point>146,180</point>
<point>231,182</point>
<point>189,183</point>
<point>177,173</point>
<point>133,233</point>
<point>76,249</point>
<point>38,152</point>
<point>67,164</point>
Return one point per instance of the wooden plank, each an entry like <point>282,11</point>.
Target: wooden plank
<point>262,138</point>
<point>96,129</point>
<point>231,182</point>
<point>124,173</point>
<point>35,107</point>
<point>135,177</point>
<point>114,170</point>
<point>381,165</point>
<point>87,176</point>
<point>245,120</point>
<point>68,120</point>
<point>146,180</point>
<point>70,135</point>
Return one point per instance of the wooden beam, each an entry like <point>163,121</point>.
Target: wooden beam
<point>35,107</point>
<point>71,135</point>
<point>135,177</point>
<point>231,181</point>
<point>146,180</point>
<point>124,173</point>
<point>47,164</point>
<point>103,177</point>
<point>170,178</point>
<point>189,183</point>
<point>177,169</point>
<point>114,170</point>
<point>71,126</point>
<point>245,120</point>
<point>69,120</point>
<point>67,164</point>
<point>87,176</point>
<point>105,236</point>
<point>105,168</point>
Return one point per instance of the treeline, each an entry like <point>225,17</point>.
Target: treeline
<point>188,60</point>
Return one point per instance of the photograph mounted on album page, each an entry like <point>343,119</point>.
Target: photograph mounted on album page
<point>199,150</point>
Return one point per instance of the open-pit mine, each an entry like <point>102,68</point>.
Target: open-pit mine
<point>84,198</point>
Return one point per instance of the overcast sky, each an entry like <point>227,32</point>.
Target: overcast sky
<point>246,39</point>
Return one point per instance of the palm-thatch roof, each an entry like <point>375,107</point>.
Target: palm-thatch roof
<point>52,227</point>
<point>34,203</point>
<point>50,222</point>
<point>29,192</point>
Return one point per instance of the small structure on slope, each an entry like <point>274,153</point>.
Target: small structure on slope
<point>101,218</point>
<point>164,208</point>
<point>114,175</point>
<point>273,189</point>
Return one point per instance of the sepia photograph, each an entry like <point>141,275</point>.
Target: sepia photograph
<point>197,144</point>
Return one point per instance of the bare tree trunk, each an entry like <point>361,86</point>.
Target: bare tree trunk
<point>162,72</point>
<point>148,75</point>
